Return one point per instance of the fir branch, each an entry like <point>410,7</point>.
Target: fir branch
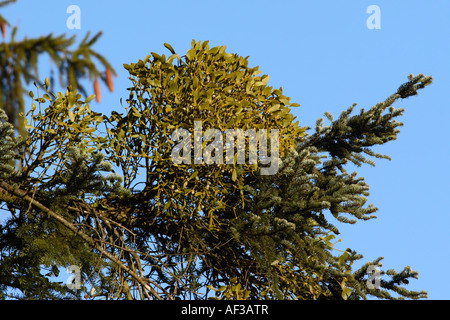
<point>347,138</point>
<point>7,188</point>
<point>6,2</point>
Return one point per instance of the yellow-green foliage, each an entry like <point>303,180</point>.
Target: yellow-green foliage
<point>208,85</point>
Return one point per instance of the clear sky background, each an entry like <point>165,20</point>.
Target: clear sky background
<point>325,58</point>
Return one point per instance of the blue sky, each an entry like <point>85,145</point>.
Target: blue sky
<point>325,58</point>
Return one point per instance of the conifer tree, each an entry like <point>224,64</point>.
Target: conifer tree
<point>25,243</point>
<point>19,61</point>
<point>142,227</point>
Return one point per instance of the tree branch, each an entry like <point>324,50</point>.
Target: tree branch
<point>7,188</point>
